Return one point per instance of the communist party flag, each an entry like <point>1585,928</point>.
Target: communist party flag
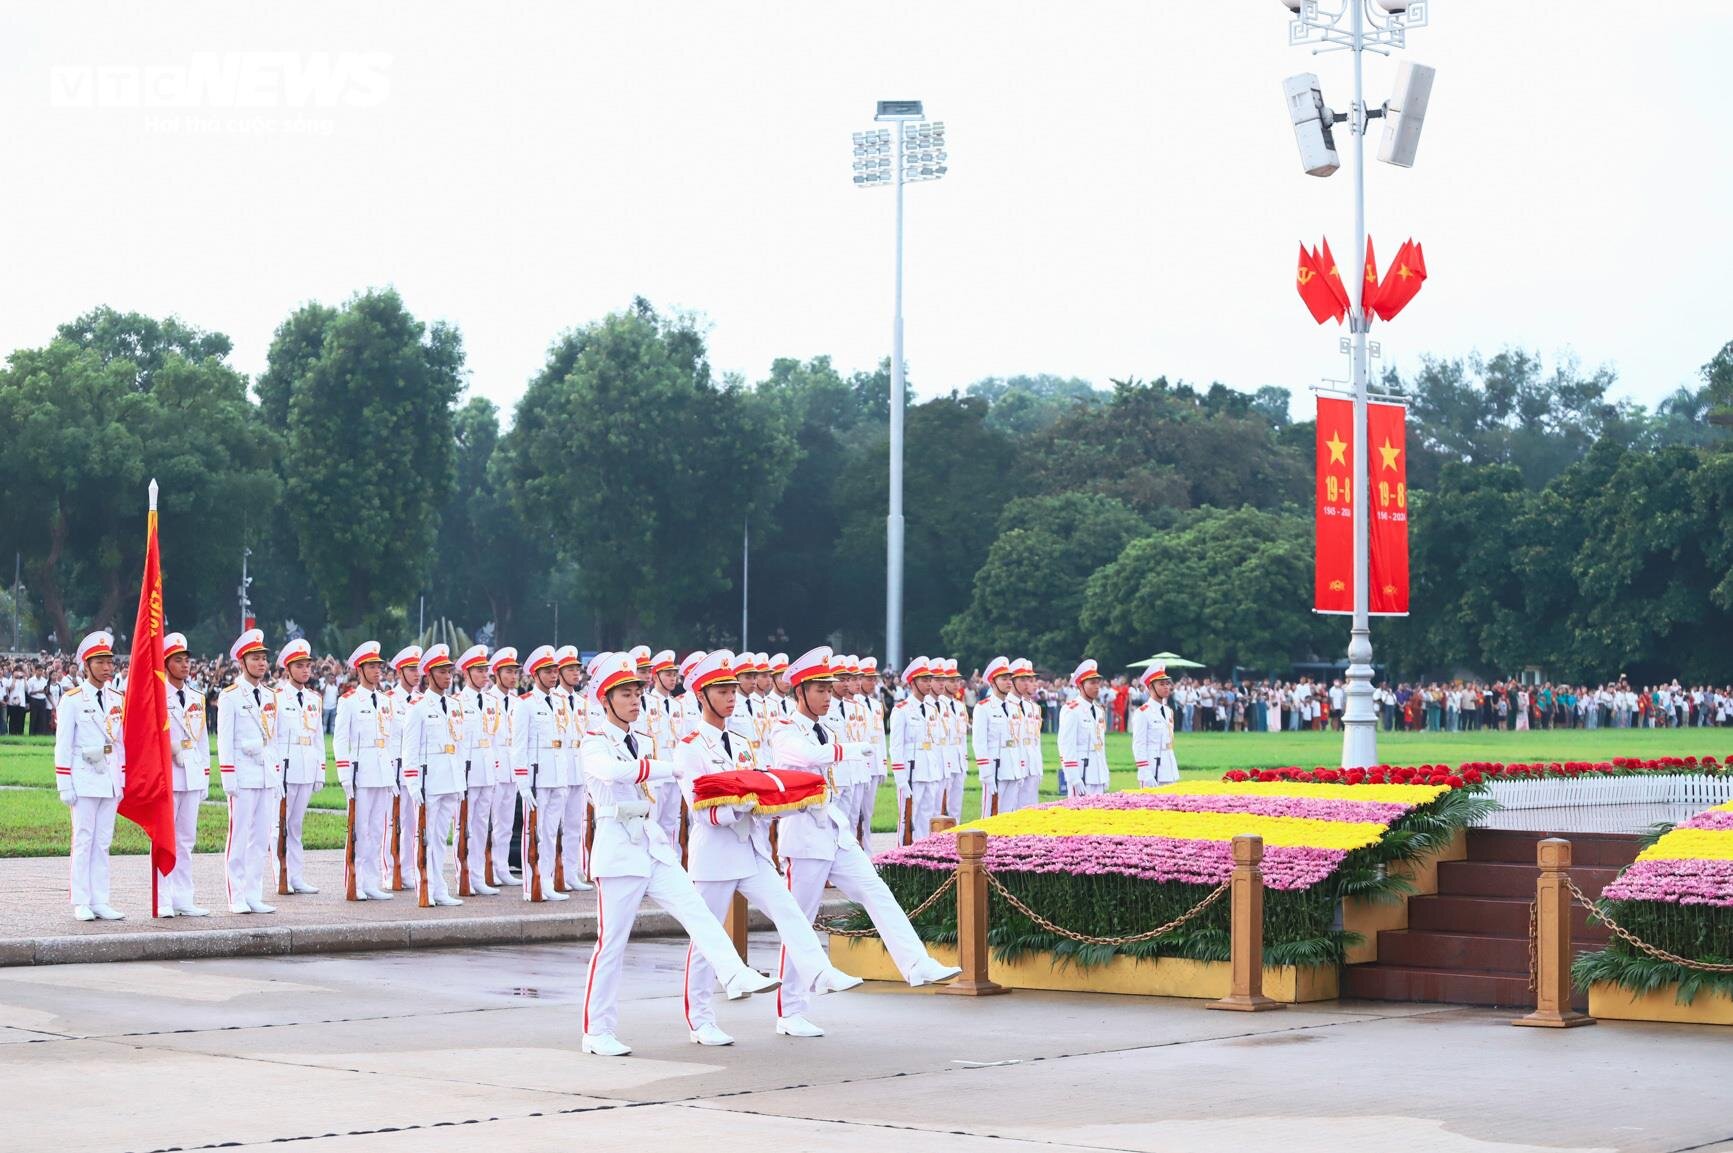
<point>1369,282</point>
<point>1401,284</point>
<point>1389,461</point>
<point>149,799</point>
<point>1326,264</point>
<point>1333,573</point>
<point>1314,290</point>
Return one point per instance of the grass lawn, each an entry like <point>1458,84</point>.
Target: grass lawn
<point>33,822</point>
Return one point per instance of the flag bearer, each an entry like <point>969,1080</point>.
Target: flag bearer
<point>191,744</point>
<point>90,773</point>
<point>483,721</point>
<point>367,767</point>
<point>1152,731</point>
<point>252,777</point>
<point>300,746</point>
<point>434,743</point>
<point>1083,734</point>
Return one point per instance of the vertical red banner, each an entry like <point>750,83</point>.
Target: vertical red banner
<point>1387,444</point>
<point>149,799</point>
<point>1333,575</point>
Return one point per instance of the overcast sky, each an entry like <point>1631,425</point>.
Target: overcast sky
<point>1124,195</point>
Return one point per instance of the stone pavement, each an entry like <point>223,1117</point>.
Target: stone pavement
<point>458,1050</point>
<point>37,927</point>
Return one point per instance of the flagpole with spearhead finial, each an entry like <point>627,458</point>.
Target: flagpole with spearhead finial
<point>150,857</point>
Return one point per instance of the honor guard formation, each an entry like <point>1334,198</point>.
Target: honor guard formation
<point>623,776</point>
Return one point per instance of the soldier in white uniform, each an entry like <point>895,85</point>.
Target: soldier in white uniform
<point>190,742</point>
<point>252,777</point>
<point>503,667</point>
<point>434,742</point>
<point>1083,734</point>
<point>950,695</point>
<point>992,735</point>
<point>300,746</point>
<point>367,768</point>
<point>776,696</point>
<point>916,756</point>
<point>405,806</point>
<point>875,706</point>
<point>818,848</point>
<point>90,773</point>
<point>849,776</point>
<point>729,852</point>
<point>538,741</point>
<point>1152,731</point>
<point>1034,768</point>
<point>484,721</point>
<point>574,800</point>
<point>633,858</point>
<point>657,722</point>
<point>686,710</point>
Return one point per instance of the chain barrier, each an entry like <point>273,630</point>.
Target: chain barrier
<point>1533,946</point>
<point>1215,895</point>
<point>1636,942</point>
<point>833,925</point>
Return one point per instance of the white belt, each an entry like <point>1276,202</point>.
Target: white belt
<point>628,811</point>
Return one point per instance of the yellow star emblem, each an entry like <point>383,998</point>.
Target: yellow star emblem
<point>1338,448</point>
<point>1389,454</point>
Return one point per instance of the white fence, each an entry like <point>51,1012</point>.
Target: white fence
<point>1654,788</point>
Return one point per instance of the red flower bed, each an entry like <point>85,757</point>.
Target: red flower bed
<point>1476,772</point>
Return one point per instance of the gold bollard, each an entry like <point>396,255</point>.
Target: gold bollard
<point>735,923</point>
<point>1552,945</point>
<point>943,824</point>
<point>1246,994</point>
<point>972,918</point>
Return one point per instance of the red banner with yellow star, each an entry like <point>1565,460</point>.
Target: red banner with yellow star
<point>1333,574</point>
<point>1389,460</point>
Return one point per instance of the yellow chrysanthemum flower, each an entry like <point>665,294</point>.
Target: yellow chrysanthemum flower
<point>1292,832</point>
<point>1393,794</point>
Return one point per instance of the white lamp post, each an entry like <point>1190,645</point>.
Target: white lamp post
<point>913,151</point>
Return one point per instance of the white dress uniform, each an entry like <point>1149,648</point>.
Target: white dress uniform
<point>367,770</point>
<point>849,776</point>
<point>1152,736</point>
<point>633,858</point>
<point>407,805</point>
<point>300,746</point>
<point>1083,746</point>
<point>575,802</point>
<point>190,742</point>
<point>881,767</point>
<point>434,743</point>
<point>504,807</point>
<point>1034,767</point>
<point>916,732</point>
<point>487,741</point>
<point>991,734</point>
<point>729,852</point>
<point>537,744</point>
<point>656,721</point>
<point>252,778</point>
<point>956,726</point>
<point>818,848</point>
<point>90,774</point>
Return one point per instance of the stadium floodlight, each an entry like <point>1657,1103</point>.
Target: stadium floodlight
<point>1405,113</point>
<point>1312,120</point>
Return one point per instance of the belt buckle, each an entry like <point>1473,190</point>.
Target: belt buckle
<point>448,749</point>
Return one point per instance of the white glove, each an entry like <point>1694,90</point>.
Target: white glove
<point>632,810</point>
<point>92,755</point>
<point>68,797</point>
<point>527,795</point>
<point>743,822</point>
<point>348,790</point>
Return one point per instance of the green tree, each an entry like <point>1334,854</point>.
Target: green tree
<point>369,445</point>
<point>1028,593</point>
<point>1021,405</point>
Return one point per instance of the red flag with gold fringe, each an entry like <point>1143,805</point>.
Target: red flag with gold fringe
<point>149,798</point>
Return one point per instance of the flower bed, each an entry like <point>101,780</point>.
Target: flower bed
<point>1678,896</point>
<point>1120,864</point>
<point>1476,772</point>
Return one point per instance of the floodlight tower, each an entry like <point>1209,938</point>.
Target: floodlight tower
<point>913,151</point>
<point>1358,26</point>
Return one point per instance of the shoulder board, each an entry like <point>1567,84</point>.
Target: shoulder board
<point>73,692</point>
<point>525,695</point>
<point>350,691</point>
<point>594,733</point>
<point>784,720</point>
<point>902,703</point>
<point>1071,704</point>
<point>232,688</point>
<point>688,738</point>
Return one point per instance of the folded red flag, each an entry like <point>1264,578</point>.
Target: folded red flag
<point>767,793</point>
<point>1314,291</point>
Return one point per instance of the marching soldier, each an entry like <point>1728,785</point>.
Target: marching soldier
<point>483,720</point>
<point>574,802</point>
<point>1152,731</point>
<point>300,746</point>
<point>777,695</point>
<point>190,743</point>
<point>503,812</point>
<point>992,737</point>
<point>848,777</point>
<point>1083,734</point>
<point>90,773</point>
<point>252,777</point>
<point>633,858</point>
<point>1029,733</point>
<point>686,709</point>
<point>751,718</point>
<point>869,669</point>
<point>916,758</point>
<point>730,852</point>
<point>367,768</point>
<point>406,805</point>
<point>657,723</point>
<point>537,742</point>
<point>433,748</point>
<point>818,848</point>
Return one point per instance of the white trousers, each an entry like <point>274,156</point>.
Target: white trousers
<point>408,812</point>
<point>1082,788</point>
<point>92,832</point>
<point>297,796</point>
<point>764,891</point>
<point>175,889</point>
<point>1028,792</point>
<point>372,818</point>
<point>503,810</point>
<point>617,901</point>
<point>866,798</point>
<point>441,814</point>
<point>954,796</point>
<point>252,812</point>
<point>481,819</point>
<point>846,800</point>
<point>927,795</point>
<point>573,821</point>
<point>550,811</point>
<point>851,872</point>
<point>667,812</point>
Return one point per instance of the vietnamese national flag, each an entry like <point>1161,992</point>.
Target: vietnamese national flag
<point>1333,277</point>
<point>149,798</point>
<point>1313,289</point>
<point>1402,283</point>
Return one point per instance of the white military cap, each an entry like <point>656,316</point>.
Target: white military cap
<point>251,641</point>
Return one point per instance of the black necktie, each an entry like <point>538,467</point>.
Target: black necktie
<point>632,744</point>
<point>298,701</point>
<point>726,747</point>
<point>256,694</point>
<point>442,707</point>
<point>549,697</point>
<point>818,731</point>
<point>182,694</point>
<point>375,696</point>
<point>478,700</point>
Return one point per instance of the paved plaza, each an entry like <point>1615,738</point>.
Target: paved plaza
<point>428,1051</point>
